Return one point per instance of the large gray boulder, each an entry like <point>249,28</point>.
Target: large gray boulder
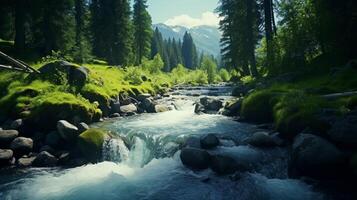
<point>17,124</point>
<point>78,76</point>
<point>5,156</point>
<point>314,156</point>
<point>67,131</point>
<point>45,159</point>
<point>208,105</point>
<point>25,161</point>
<point>21,146</point>
<point>209,141</point>
<point>7,136</point>
<point>195,158</point>
<point>344,131</point>
<point>131,108</point>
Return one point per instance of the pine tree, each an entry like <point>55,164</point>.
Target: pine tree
<point>6,22</point>
<point>82,47</point>
<point>189,52</point>
<point>142,31</point>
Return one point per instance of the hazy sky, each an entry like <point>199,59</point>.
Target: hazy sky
<point>187,13</point>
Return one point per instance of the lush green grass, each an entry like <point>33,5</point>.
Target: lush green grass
<point>295,106</point>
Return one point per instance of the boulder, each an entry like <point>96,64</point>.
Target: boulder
<point>7,136</point>
<point>209,141</point>
<point>208,105</point>
<point>142,97</point>
<point>233,108</point>
<point>115,107</point>
<point>48,149</point>
<point>25,161</point>
<point>45,159</point>
<point>344,131</point>
<point>17,124</point>
<point>67,131</point>
<point>21,146</point>
<point>114,115</point>
<point>82,127</point>
<point>161,108</point>
<point>262,139</point>
<point>53,139</point>
<point>195,158</point>
<point>91,142</point>
<point>131,108</point>
<point>223,164</point>
<point>314,156</point>
<point>240,90</point>
<point>5,156</point>
<point>78,76</point>
<point>148,105</point>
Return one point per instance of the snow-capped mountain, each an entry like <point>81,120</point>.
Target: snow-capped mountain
<point>206,38</point>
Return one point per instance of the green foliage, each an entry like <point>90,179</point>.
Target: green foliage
<point>224,74</point>
<point>210,67</point>
<point>153,66</point>
<point>90,143</point>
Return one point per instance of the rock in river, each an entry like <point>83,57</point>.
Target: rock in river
<point>22,146</point>
<point>314,156</point>
<point>195,158</point>
<point>67,130</point>
<point>5,156</point>
<point>131,108</point>
<point>262,139</point>
<point>209,141</point>
<point>223,164</point>
<point>7,136</point>
<point>45,159</point>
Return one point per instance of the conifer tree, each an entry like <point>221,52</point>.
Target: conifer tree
<point>189,52</point>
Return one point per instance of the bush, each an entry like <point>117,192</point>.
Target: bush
<point>224,74</point>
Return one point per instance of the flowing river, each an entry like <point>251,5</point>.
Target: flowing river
<point>151,169</point>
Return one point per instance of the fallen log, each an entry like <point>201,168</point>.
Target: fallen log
<point>17,65</point>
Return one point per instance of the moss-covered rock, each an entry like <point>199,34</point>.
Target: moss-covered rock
<point>258,107</point>
<point>91,142</point>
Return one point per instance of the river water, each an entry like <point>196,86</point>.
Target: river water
<point>151,168</point>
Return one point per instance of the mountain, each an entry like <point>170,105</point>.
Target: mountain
<point>206,38</point>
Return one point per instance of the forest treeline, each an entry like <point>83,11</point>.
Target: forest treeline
<point>82,30</point>
<point>277,36</point>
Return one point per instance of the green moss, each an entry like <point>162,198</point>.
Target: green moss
<point>258,107</point>
<point>90,143</point>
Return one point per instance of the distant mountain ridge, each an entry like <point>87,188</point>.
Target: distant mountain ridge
<point>206,38</point>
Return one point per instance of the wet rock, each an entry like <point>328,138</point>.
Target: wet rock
<point>78,76</point>
<point>115,107</point>
<point>262,139</point>
<point>223,164</point>
<point>314,156</point>
<point>82,127</point>
<point>25,161</point>
<point>7,136</point>
<point>114,115</point>
<point>148,105</point>
<point>21,146</point>
<point>90,143</point>
<point>64,158</point>
<point>344,131</point>
<point>142,97</point>
<point>48,149</point>
<point>5,156</point>
<point>17,124</point>
<point>209,141</point>
<point>195,158</point>
<point>208,105</point>
<point>193,142</point>
<point>131,108</point>
<point>45,159</point>
<point>161,108</point>
<point>233,108</point>
<point>53,139</point>
<point>67,131</point>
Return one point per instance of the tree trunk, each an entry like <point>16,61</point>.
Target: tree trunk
<point>269,33</point>
<point>20,17</point>
<point>251,44</point>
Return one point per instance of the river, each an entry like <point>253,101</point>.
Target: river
<point>151,169</point>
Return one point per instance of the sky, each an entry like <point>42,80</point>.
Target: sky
<point>188,13</point>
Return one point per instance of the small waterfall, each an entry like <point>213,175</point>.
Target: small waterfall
<point>139,154</point>
<point>115,150</point>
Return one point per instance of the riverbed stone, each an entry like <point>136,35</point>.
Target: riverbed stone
<point>25,161</point>
<point>82,127</point>
<point>114,115</point>
<point>7,136</point>
<point>67,131</point>
<point>131,108</point>
<point>195,158</point>
<point>17,124</point>
<point>142,97</point>
<point>21,146</point>
<point>209,141</point>
<point>45,159</point>
<point>115,107</point>
<point>262,139</point>
<point>90,143</point>
<point>233,108</point>
<point>316,157</point>
<point>161,108</point>
<point>53,139</point>
<point>193,141</point>
<point>344,131</point>
<point>5,156</point>
<point>208,105</point>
